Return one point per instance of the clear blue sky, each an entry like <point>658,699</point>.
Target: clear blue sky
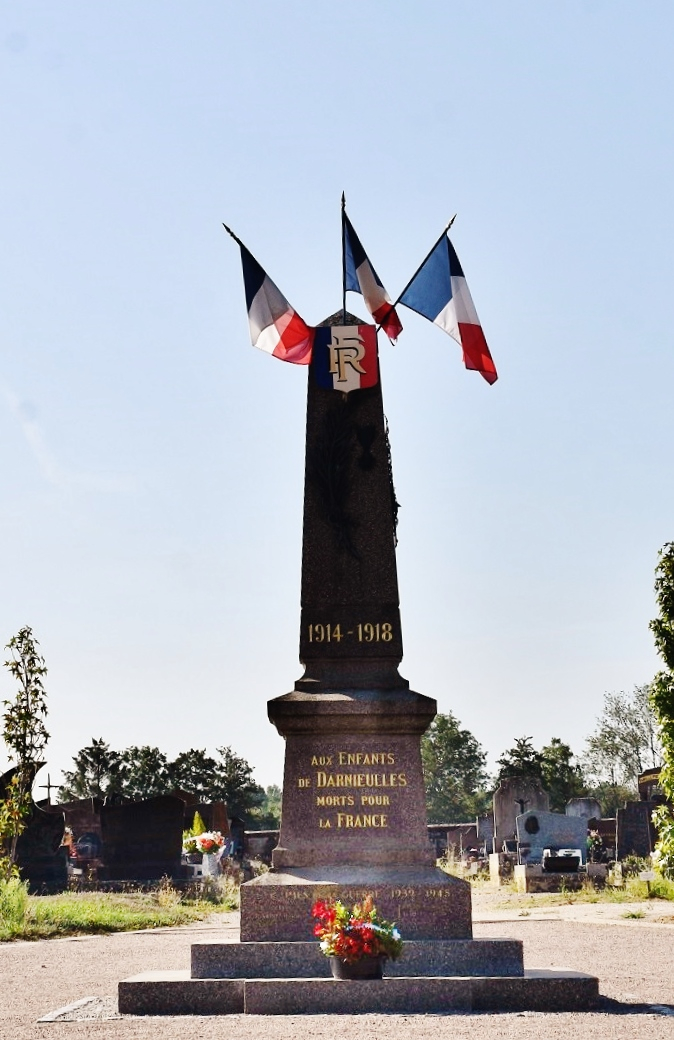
<point>152,461</point>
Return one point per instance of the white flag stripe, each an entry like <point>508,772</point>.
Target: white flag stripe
<point>465,308</point>
<point>268,305</point>
<point>372,292</point>
<point>446,320</point>
<point>267,340</point>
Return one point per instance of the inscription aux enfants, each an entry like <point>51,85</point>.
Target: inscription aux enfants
<point>362,796</point>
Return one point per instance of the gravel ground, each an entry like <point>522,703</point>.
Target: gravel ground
<point>634,960</point>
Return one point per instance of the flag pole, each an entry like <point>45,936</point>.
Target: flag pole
<point>433,247</point>
<point>235,237</point>
<point>343,259</point>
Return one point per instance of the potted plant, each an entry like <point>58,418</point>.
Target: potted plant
<point>211,845</point>
<point>357,941</point>
<point>191,852</point>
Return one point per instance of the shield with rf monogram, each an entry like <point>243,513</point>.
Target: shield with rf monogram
<point>345,357</point>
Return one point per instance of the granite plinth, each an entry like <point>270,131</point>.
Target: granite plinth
<point>276,960</point>
<point>426,903</point>
<point>175,993</point>
<point>353,789</point>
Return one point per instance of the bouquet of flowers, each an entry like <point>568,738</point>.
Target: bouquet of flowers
<point>209,843</point>
<point>356,933</point>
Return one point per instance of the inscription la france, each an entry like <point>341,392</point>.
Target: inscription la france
<point>362,795</point>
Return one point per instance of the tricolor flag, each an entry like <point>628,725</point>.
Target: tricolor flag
<point>274,325</point>
<point>439,292</point>
<point>360,276</point>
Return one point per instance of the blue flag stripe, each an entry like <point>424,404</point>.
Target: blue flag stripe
<point>431,289</point>
<point>253,276</point>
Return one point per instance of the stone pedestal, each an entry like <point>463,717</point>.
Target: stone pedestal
<point>354,818</point>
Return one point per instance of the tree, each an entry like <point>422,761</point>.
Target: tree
<point>144,773</point>
<point>267,816</point>
<point>625,741</point>
<point>25,735</point>
<point>662,700</point>
<point>520,760</point>
<point>97,773</point>
<point>454,771</point>
<point>562,778</point>
<point>552,765</point>
<point>228,778</point>
<point>236,784</point>
<point>195,772</point>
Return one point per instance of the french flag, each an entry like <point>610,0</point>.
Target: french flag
<point>439,292</point>
<point>275,326</point>
<point>361,277</point>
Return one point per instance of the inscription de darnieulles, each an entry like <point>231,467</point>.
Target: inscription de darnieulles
<point>361,791</point>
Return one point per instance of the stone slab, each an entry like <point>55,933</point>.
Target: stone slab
<point>269,960</point>
<point>541,989</point>
<point>337,997</point>
<point>426,903</point>
<point>535,879</point>
<point>175,993</point>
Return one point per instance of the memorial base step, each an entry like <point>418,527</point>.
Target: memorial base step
<point>273,960</point>
<point>177,993</point>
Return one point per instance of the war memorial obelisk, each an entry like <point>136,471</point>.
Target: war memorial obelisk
<point>354,816</point>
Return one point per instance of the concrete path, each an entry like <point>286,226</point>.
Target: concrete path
<point>635,965</point>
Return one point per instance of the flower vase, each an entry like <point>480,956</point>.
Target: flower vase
<point>210,864</point>
<point>363,968</point>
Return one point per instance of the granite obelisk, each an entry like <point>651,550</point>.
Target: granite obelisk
<point>353,817</point>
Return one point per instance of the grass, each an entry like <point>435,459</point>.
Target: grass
<point>86,913</point>
<point>633,891</point>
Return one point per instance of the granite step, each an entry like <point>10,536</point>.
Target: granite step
<point>278,960</point>
<point>177,993</point>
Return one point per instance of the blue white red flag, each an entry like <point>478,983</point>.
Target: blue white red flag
<point>345,357</point>
<point>360,276</point>
<point>275,326</point>
<point>439,292</point>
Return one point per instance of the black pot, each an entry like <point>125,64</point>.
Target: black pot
<point>364,968</point>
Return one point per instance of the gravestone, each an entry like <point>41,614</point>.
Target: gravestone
<point>82,815</point>
<point>635,831</point>
<point>39,856</point>
<point>649,787</point>
<point>354,815</point>
<point>514,796</point>
<point>142,841</point>
<point>260,845</point>
<point>588,808</point>
<point>537,831</point>
<point>485,832</point>
<point>42,860</point>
